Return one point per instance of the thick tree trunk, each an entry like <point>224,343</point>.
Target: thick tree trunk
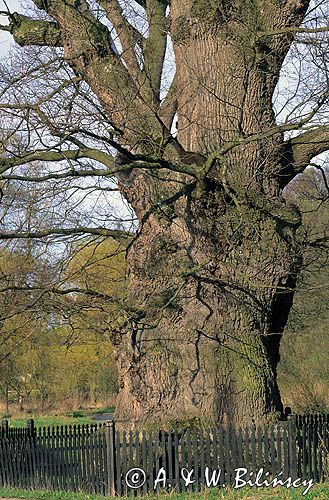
<point>213,266</point>
<point>212,284</point>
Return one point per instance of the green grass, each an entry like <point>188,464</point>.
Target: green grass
<point>70,418</point>
<point>317,492</point>
<point>45,421</point>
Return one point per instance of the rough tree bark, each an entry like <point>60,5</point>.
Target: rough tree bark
<point>213,275</point>
<point>213,265</point>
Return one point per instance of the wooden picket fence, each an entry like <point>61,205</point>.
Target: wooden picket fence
<point>98,459</point>
<point>312,445</point>
<point>67,458</point>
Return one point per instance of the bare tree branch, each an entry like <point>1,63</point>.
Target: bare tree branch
<point>55,156</point>
<point>169,105</point>
<point>292,29</point>
<point>122,237</point>
<point>27,31</point>
<point>128,35</point>
<point>306,146</point>
<point>61,291</point>
<point>155,45</point>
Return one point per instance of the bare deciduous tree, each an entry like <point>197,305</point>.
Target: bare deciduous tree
<point>213,265</point>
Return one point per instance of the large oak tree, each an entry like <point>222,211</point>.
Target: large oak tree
<point>212,267</point>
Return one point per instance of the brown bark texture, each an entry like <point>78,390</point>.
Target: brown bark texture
<point>212,269</point>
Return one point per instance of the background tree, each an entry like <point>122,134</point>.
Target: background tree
<point>213,266</point>
<point>55,350</point>
<point>303,370</point>
<point>55,345</point>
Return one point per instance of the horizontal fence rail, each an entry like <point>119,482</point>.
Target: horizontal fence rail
<point>98,459</point>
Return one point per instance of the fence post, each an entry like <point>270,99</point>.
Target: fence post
<point>4,426</point>
<point>110,455</point>
<point>292,446</point>
<point>30,426</point>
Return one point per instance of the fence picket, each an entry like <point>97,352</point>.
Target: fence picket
<point>314,450</point>
<point>253,448</point>
<point>176,482</point>
<point>221,454</point>
<point>266,449</point>
<point>124,461</point>
<point>247,448</point>
<point>320,451</point>
<point>233,451</point>
<point>227,458</point>
<point>202,457</point>
<point>137,457</point>
<point>151,452</point>
<point>157,456</point>
<point>145,464</point>
<point>240,461</point>
<point>196,460</point>
<point>170,465</point>
<point>309,451</point>
<point>274,469</point>
<point>3,463</point>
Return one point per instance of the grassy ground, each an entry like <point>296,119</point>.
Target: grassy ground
<point>70,418</point>
<point>317,492</point>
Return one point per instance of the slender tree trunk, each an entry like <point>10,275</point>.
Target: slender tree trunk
<point>7,398</point>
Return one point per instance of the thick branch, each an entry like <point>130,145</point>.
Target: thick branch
<point>27,31</point>
<point>128,35</point>
<point>129,163</point>
<point>292,29</point>
<point>53,156</point>
<point>155,45</point>
<point>169,106</point>
<point>306,146</point>
<point>280,22</point>
<point>60,291</point>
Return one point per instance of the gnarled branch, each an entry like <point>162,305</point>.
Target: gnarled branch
<point>307,145</point>
<point>128,35</point>
<point>27,31</point>
<point>54,156</point>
